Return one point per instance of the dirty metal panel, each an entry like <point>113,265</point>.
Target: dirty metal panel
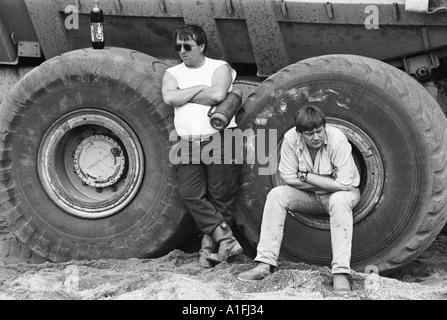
<point>49,26</point>
<point>227,9</point>
<point>160,8</point>
<point>138,8</point>
<point>265,34</point>
<point>236,41</point>
<point>166,15</point>
<point>8,52</point>
<point>388,42</point>
<point>153,36</point>
<point>15,16</point>
<point>340,12</point>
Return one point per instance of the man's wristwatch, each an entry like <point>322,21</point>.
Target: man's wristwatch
<point>302,176</point>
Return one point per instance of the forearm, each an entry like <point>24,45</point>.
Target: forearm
<point>218,90</point>
<point>300,185</point>
<point>209,96</point>
<point>322,182</point>
<point>314,182</point>
<point>179,97</point>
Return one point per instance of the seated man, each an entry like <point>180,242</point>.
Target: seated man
<point>321,177</point>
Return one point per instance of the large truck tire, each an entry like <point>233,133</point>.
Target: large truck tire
<point>84,161</point>
<point>399,138</point>
<point>9,75</point>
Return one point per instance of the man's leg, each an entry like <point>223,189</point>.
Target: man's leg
<point>223,176</point>
<point>279,200</point>
<point>192,189</point>
<point>339,205</point>
<point>221,191</point>
<point>222,188</point>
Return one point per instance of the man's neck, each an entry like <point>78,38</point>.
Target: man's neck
<point>198,64</point>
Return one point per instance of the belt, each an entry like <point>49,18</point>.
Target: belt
<point>198,141</point>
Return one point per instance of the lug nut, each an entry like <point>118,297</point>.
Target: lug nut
<point>115,151</point>
<point>423,73</point>
<point>99,190</point>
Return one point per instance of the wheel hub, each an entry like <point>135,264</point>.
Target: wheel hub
<point>99,161</point>
<point>91,163</point>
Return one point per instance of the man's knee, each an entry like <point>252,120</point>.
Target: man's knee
<point>341,200</point>
<point>277,193</point>
<point>190,194</point>
<point>282,195</point>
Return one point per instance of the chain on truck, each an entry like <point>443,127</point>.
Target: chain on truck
<point>84,139</point>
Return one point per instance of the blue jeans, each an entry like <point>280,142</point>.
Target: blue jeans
<point>338,205</point>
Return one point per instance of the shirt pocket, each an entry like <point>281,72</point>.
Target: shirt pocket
<point>325,168</point>
<point>302,164</point>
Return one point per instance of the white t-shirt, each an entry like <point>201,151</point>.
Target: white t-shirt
<point>191,120</point>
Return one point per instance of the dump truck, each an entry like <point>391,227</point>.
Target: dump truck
<point>85,135</point>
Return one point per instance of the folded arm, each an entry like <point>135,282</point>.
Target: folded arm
<point>314,182</point>
<point>216,93</point>
<point>289,168</point>
<point>174,96</point>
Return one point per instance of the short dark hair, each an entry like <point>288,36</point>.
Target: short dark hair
<point>309,118</point>
<point>192,31</point>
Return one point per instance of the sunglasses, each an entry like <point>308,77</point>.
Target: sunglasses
<point>187,47</point>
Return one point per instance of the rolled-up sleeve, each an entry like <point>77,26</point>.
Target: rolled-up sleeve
<point>288,164</point>
<point>347,175</point>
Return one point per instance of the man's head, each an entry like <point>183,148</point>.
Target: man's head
<point>191,43</point>
<point>310,121</point>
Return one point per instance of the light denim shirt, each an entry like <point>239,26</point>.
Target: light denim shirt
<point>334,159</point>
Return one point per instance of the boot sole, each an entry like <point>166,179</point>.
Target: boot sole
<point>341,292</point>
<point>217,261</point>
<point>207,266</point>
<point>249,280</point>
<point>238,251</point>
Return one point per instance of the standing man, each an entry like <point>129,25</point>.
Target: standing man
<point>321,178</point>
<point>208,190</point>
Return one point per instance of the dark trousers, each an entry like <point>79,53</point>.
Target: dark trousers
<point>208,190</point>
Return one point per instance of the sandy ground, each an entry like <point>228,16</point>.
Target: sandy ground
<point>177,276</point>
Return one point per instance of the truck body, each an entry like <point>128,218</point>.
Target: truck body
<point>259,37</point>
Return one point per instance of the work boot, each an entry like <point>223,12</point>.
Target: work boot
<point>259,272</point>
<point>228,245</point>
<point>341,283</point>
<point>208,246</point>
